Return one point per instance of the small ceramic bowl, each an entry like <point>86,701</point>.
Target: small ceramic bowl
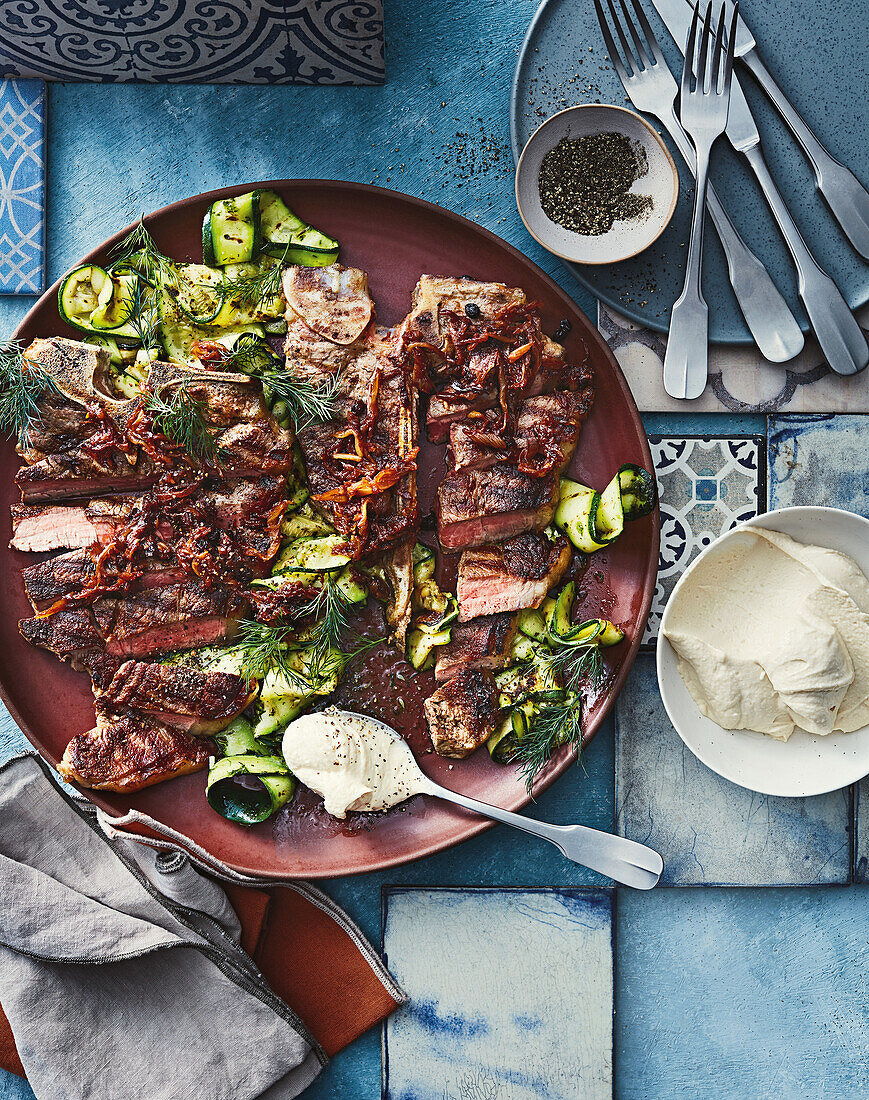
<point>805,764</point>
<point>626,238</point>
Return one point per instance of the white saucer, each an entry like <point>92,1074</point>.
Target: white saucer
<point>805,764</point>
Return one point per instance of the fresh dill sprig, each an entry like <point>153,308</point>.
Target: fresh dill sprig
<point>258,287</point>
<point>180,418</point>
<point>22,383</point>
<point>143,314</point>
<point>262,648</point>
<point>306,403</point>
<point>139,251</point>
<point>559,721</point>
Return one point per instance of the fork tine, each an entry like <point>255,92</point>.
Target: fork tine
<point>618,64</point>
<point>651,40</point>
<point>688,67</point>
<point>731,50</point>
<point>626,49</point>
<point>638,43</point>
<point>703,61</point>
<point>717,74</point>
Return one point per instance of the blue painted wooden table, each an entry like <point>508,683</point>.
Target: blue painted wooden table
<point>718,992</point>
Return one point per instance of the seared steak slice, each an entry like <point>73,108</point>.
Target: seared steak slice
<point>68,634</point>
<point>41,527</point>
<point>201,702</point>
<point>475,507</point>
<point>462,714</point>
<point>48,581</point>
<point>509,577</point>
<point>78,472</point>
<point>131,751</point>
<point>333,301</point>
<point>482,643</point>
<point>179,616</point>
<point>549,420</point>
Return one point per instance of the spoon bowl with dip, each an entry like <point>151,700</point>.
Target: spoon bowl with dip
<point>360,763</point>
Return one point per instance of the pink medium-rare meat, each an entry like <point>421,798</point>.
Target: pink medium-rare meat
<point>475,507</point>
<point>63,576</point>
<point>462,713</point>
<point>131,751</point>
<point>482,643</point>
<point>199,701</point>
<point>177,617</point>
<point>515,575</point>
<point>42,527</point>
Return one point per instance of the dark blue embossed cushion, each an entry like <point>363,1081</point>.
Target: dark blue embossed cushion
<point>194,41</point>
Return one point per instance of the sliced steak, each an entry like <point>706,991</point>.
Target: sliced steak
<point>177,617</point>
<point>475,507</point>
<point>68,634</point>
<point>48,581</point>
<point>481,643</point>
<point>463,713</point>
<point>509,577</point>
<point>131,751</point>
<point>41,527</point>
<point>361,463</point>
<point>198,701</point>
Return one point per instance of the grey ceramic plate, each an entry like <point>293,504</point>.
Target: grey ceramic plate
<point>817,51</point>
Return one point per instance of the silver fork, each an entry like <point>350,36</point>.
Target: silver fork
<point>704,98</point>
<point>652,88</point>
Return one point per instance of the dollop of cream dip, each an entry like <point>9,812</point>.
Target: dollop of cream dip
<point>772,634</point>
<point>353,763</point>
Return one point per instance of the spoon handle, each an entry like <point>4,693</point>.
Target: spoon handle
<point>618,858</point>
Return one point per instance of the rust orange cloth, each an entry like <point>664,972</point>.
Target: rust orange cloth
<point>309,961</point>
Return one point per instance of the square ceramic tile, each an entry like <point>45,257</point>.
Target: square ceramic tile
<point>740,380</point>
<point>244,42</point>
<point>709,831</point>
<point>22,186</point>
<point>511,994</point>
<point>824,460</point>
<point>706,485</point>
<point>742,995</point>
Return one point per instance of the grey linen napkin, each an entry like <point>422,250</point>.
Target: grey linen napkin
<point>119,968</point>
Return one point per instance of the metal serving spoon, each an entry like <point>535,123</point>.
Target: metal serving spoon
<point>618,858</point>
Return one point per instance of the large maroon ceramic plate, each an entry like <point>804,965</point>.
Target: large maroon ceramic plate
<point>395,238</point>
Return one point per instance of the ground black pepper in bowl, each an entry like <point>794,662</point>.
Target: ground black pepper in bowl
<point>585,182</point>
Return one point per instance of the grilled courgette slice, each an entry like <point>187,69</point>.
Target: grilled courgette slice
<point>268,786</point>
<point>638,489</point>
<point>231,230</point>
<point>421,646</point>
<point>94,300</point>
<point>289,238</point>
<point>318,555</point>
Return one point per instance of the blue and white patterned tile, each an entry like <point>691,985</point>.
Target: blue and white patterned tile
<point>22,186</point>
<point>742,995</point>
<point>511,994</point>
<point>709,831</point>
<point>824,460</point>
<point>706,485</point>
<point>243,42</point>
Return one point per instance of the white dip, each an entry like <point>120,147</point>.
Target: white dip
<point>353,763</point>
<point>772,634</point>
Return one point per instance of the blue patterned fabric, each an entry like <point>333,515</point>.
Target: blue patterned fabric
<point>194,41</point>
<point>22,187</point>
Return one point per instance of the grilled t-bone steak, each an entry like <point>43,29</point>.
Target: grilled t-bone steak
<point>513,575</point>
<point>164,567</point>
<point>89,442</point>
<point>196,700</point>
<point>462,713</point>
<point>482,643</point>
<point>361,463</point>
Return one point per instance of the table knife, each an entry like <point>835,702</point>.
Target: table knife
<point>837,331</point>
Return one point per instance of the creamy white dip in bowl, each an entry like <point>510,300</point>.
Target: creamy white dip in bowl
<point>805,764</point>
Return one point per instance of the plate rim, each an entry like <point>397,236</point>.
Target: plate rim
<point>468,827</point>
<point>664,648</point>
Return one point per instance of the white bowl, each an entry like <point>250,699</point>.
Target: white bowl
<point>626,238</point>
<point>805,764</point>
